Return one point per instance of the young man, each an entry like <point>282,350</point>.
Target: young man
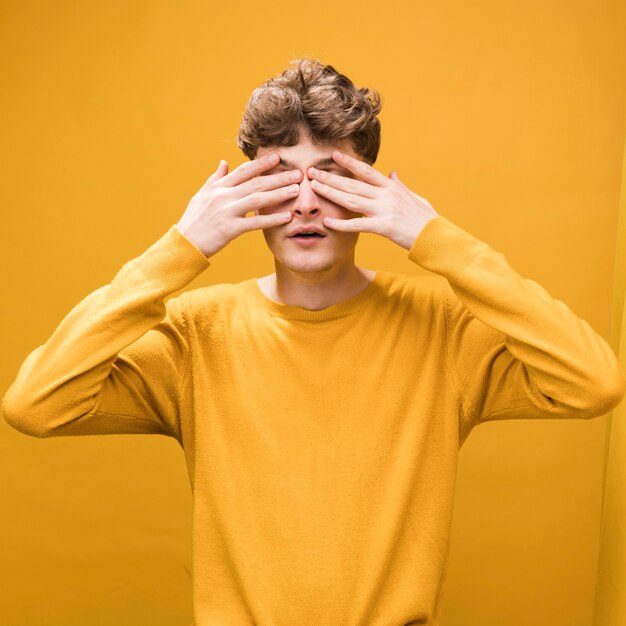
<point>320,408</point>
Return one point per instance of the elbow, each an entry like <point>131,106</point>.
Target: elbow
<point>607,394</point>
<point>22,419</point>
<point>618,391</point>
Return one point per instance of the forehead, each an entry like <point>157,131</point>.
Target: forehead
<point>306,154</point>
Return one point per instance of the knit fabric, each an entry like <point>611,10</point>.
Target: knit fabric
<point>321,445</point>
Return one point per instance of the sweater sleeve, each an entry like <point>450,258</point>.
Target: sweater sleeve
<point>513,350</point>
<point>117,361</point>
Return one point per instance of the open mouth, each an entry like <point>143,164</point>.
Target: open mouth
<point>306,235</point>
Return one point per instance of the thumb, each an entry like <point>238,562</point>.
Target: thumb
<point>222,169</point>
<point>220,172</point>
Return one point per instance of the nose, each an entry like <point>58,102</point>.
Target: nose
<point>307,202</point>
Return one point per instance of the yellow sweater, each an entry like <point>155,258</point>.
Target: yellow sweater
<point>321,445</point>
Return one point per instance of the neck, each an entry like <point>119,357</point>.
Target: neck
<point>315,290</point>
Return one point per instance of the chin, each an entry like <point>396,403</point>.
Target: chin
<point>306,266</point>
<point>310,261</point>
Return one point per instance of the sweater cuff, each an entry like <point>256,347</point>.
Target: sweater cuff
<point>172,261</point>
<point>444,247</point>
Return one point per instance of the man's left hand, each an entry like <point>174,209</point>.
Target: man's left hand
<point>389,207</point>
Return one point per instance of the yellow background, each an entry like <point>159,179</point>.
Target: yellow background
<point>508,117</point>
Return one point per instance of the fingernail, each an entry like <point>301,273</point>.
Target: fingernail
<point>294,188</point>
<point>294,175</point>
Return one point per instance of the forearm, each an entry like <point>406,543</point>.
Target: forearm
<point>60,382</point>
<point>508,330</point>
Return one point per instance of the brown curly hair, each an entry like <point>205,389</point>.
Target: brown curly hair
<point>316,98</point>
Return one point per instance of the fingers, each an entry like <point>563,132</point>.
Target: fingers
<point>266,183</point>
<point>350,201</point>
<point>263,199</point>
<point>343,183</point>
<point>362,170</point>
<point>255,222</point>
<point>249,170</point>
<point>354,225</point>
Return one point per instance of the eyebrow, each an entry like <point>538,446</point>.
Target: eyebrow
<point>323,162</point>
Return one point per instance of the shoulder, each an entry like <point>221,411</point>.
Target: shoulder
<point>212,309</point>
<point>411,290</point>
<point>214,297</point>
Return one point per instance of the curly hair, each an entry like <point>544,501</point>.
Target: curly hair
<point>316,98</point>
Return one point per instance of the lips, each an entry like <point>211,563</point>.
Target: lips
<point>307,242</point>
<point>313,230</point>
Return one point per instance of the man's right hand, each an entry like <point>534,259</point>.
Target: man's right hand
<point>217,213</point>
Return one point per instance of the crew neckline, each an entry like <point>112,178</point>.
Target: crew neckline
<point>295,312</point>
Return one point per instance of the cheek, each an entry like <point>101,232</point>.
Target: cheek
<point>342,212</point>
<point>272,238</point>
<point>335,210</point>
